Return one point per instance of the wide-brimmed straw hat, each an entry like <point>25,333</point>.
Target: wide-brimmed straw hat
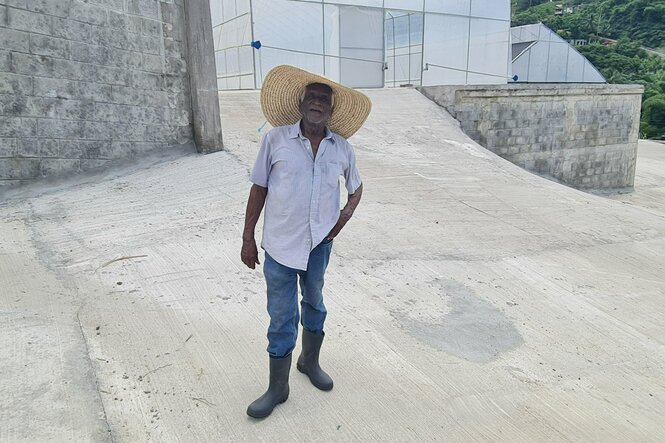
<point>283,87</point>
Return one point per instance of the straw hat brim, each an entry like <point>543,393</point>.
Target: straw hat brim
<point>283,87</point>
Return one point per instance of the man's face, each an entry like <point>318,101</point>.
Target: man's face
<point>316,106</point>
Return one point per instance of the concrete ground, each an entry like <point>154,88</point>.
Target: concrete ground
<point>649,178</point>
<point>468,301</point>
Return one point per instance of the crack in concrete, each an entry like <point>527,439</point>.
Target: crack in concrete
<point>48,258</point>
<point>94,373</point>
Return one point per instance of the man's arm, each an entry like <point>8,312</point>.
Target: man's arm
<point>249,254</point>
<point>346,213</point>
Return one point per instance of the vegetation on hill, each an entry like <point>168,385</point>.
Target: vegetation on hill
<point>639,20</point>
<point>634,23</point>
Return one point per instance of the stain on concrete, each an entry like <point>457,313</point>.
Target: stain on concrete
<point>472,329</point>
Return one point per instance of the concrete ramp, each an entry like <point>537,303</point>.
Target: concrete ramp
<point>468,301</point>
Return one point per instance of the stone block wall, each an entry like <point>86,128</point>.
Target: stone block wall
<point>84,83</point>
<point>584,136</point>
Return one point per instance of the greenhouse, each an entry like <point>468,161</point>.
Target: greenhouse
<point>363,43</point>
<point>541,56</point>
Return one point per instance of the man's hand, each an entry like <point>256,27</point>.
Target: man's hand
<point>249,254</point>
<point>346,213</point>
<point>257,198</point>
<point>344,217</point>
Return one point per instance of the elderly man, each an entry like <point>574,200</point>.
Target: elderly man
<point>296,177</point>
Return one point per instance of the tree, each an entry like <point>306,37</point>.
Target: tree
<point>653,117</point>
<point>521,5</point>
<point>600,22</point>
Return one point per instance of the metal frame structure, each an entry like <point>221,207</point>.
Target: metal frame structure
<point>443,55</point>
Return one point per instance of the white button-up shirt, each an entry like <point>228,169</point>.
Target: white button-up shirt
<point>302,203</point>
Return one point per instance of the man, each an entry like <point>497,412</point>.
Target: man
<point>296,177</point>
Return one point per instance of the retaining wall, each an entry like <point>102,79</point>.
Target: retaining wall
<point>84,83</point>
<point>584,136</point>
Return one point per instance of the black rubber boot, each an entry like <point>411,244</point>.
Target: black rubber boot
<point>308,362</point>
<point>278,389</point>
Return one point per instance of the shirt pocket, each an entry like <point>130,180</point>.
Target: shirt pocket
<point>331,175</point>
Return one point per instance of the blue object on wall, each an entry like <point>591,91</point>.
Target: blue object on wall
<point>256,44</point>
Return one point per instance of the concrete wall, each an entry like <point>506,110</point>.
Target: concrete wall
<point>83,83</point>
<point>582,135</point>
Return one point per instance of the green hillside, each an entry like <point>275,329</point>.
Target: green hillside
<point>639,20</point>
<point>636,24</point>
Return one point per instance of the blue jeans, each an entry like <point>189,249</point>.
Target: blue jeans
<point>282,283</point>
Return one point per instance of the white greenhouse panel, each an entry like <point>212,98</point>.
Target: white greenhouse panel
<point>575,67</point>
<point>216,12</point>
<point>361,74</point>
<point>550,59</point>
<point>361,39</point>
<point>488,47</point>
<point>405,50</point>
<point>333,68</point>
<point>232,61</point>
<point>404,69</point>
<point>216,37</point>
<point>558,61</point>
<point>361,28</point>
<point>494,9</point>
<point>269,58</point>
<point>346,40</point>
<point>539,33</point>
<point>477,79</point>
<point>233,83</point>
<point>545,34</point>
<point>400,72</point>
<point>534,32</point>
<point>242,7</point>
<point>459,7</point>
<point>521,68</point>
<point>399,30</point>
<point>538,62</point>
<point>374,3</point>
<point>357,74</point>
<point>416,68</point>
<point>591,75</point>
<point>331,29</point>
<point>220,62</point>
<point>389,73</point>
<point>366,55</point>
<point>446,41</point>
<point>553,36</point>
<point>236,32</point>
<point>443,77</point>
<point>228,10</point>
<point>247,82</point>
<point>246,61</point>
<point>413,5</point>
<point>279,24</point>
<point>525,33</point>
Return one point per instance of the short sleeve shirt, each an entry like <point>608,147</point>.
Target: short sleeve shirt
<point>303,199</point>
